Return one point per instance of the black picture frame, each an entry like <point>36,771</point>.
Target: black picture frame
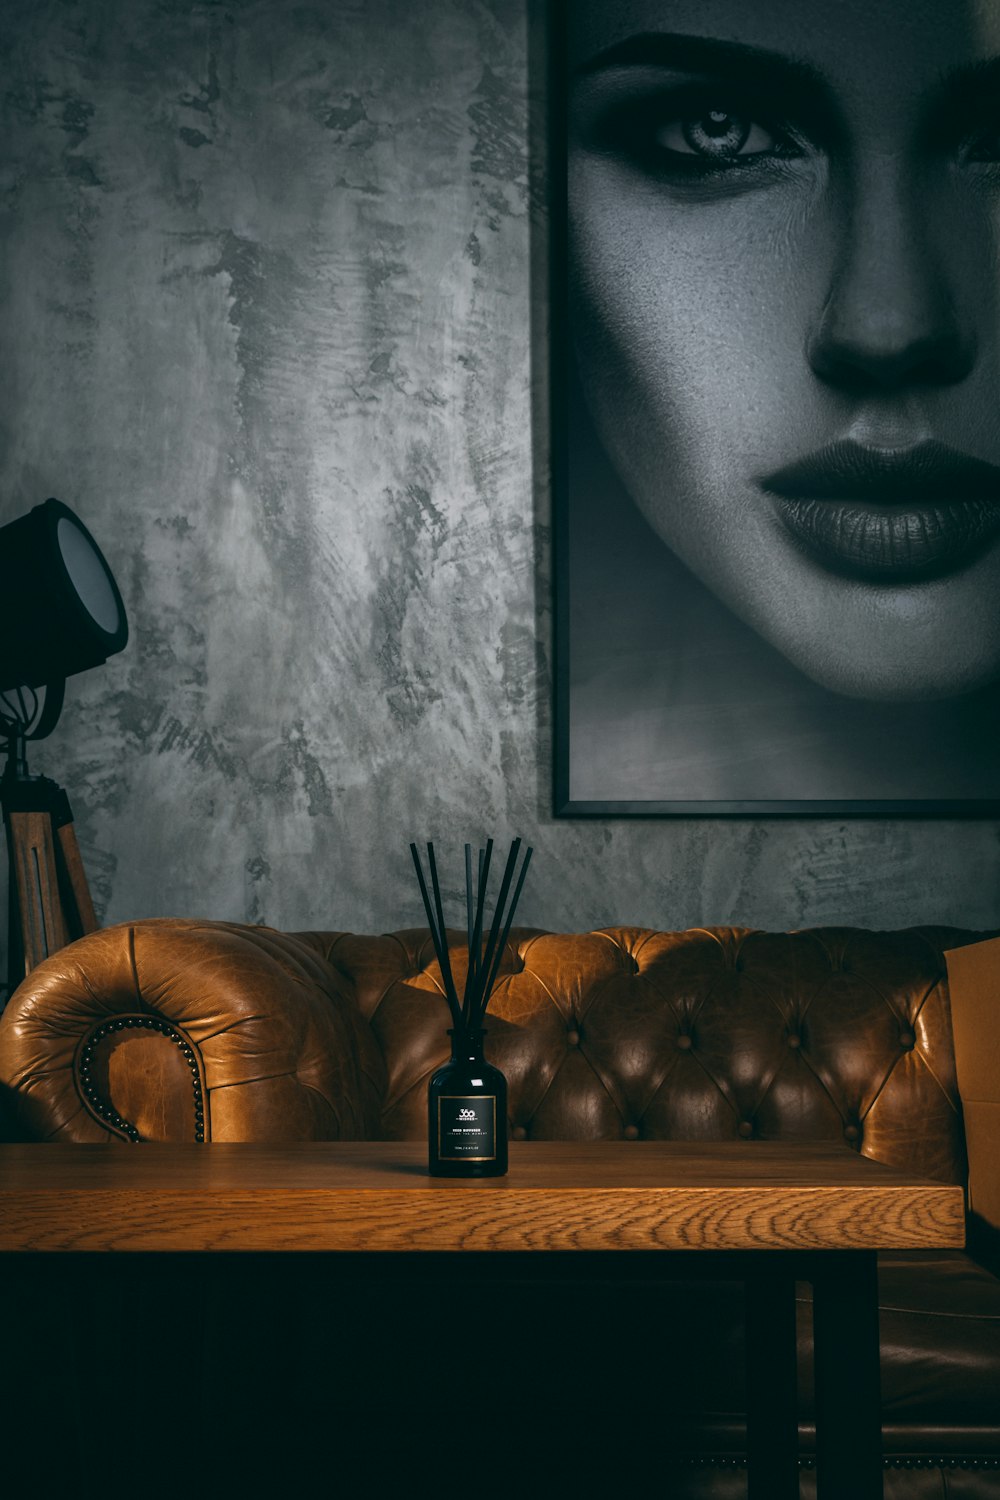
<point>567,804</point>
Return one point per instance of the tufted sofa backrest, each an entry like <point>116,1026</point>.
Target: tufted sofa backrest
<point>715,1033</point>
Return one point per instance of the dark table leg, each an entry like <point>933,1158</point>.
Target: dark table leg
<point>772,1415</point>
<point>848,1394</point>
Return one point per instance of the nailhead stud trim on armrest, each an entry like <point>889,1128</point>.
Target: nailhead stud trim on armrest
<point>101,1109</point>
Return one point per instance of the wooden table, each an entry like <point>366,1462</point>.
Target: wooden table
<point>765,1213</point>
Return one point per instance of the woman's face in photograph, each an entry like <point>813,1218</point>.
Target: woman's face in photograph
<point>783,229</point>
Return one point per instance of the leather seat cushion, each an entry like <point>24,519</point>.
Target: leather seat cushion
<point>940,1331</point>
<point>939,1324</point>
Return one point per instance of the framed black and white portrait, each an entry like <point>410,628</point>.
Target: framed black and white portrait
<point>776,406</point>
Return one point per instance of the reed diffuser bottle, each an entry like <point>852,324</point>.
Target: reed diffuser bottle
<point>467,1097</point>
<point>467,1112</point>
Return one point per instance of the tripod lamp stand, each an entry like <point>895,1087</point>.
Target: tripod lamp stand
<point>60,613</point>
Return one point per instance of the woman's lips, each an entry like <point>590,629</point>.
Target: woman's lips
<point>889,514</point>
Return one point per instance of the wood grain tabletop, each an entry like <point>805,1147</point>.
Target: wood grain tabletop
<point>558,1195</point>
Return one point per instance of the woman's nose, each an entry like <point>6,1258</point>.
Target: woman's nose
<point>893,315</point>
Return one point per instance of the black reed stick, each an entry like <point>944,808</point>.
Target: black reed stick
<point>423,891</point>
<point>469,914</point>
<point>438,935</point>
<point>476,951</point>
<point>445,957</point>
<point>491,979</point>
<point>480,1002</point>
<point>472,971</point>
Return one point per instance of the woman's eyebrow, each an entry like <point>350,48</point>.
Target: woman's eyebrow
<point>708,54</point>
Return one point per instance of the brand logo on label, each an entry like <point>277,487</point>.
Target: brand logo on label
<point>466,1127</point>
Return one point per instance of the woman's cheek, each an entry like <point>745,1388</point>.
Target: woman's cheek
<point>691,324</point>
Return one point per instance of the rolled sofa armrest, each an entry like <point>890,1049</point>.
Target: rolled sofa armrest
<point>170,1030</point>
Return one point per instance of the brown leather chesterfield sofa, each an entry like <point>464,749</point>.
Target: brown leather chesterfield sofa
<point>209,1031</point>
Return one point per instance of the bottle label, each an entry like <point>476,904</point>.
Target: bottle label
<point>467,1128</point>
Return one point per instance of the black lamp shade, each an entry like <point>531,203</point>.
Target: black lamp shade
<point>60,609</point>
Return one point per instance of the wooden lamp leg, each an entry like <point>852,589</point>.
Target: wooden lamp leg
<point>33,857</point>
<point>50,902</point>
<point>73,879</point>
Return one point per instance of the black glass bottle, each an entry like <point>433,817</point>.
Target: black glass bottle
<point>467,1112</point>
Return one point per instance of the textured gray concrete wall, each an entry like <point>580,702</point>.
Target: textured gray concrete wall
<point>273,323</point>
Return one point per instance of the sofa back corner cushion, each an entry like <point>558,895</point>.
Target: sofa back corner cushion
<point>974,984</point>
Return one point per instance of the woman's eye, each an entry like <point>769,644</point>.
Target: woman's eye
<point>702,137</point>
<point>718,135</point>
